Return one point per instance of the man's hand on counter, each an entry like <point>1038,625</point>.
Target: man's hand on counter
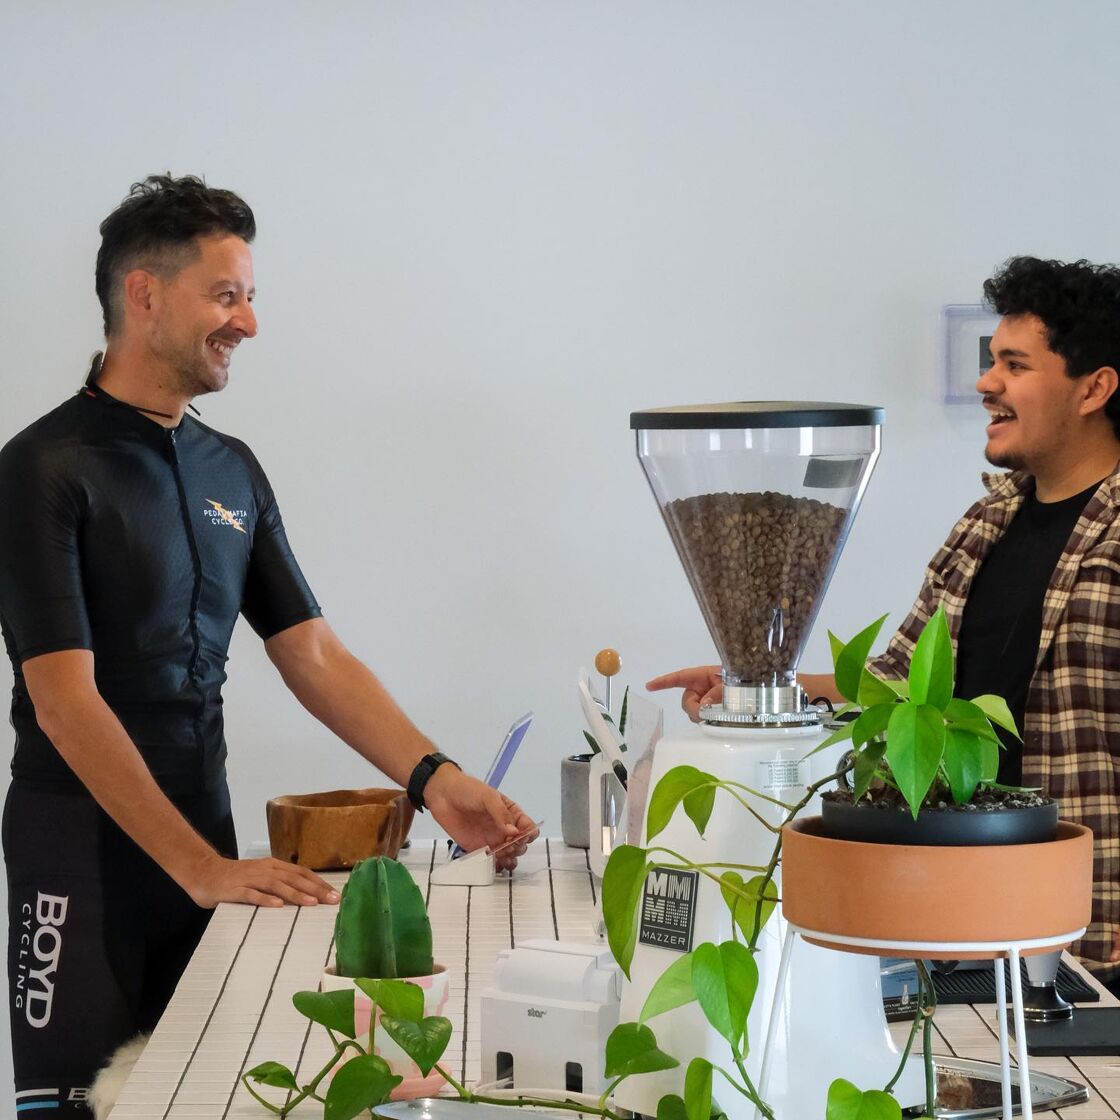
<point>475,815</point>
<point>1114,956</point>
<point>258,882</point>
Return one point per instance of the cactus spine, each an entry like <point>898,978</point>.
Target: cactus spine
<point>382,929</point>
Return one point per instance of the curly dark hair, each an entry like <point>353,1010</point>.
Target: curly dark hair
<point>1079,305</point>
<point>156,227</point>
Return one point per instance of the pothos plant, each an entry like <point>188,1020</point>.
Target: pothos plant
<point>913,735</point>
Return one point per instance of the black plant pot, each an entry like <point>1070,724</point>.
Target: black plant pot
<point>956,827</point>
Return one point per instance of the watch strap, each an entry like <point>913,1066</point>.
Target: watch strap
<point>422,774</point>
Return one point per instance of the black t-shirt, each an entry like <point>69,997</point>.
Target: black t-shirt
<point>142,544</point>
<point>1002,622</point>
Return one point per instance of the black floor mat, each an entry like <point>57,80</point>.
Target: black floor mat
<point>977,985</point>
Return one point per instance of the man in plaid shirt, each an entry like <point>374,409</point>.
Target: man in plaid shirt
<point>1030,575</point>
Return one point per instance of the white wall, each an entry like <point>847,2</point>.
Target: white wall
<point>490,230</point>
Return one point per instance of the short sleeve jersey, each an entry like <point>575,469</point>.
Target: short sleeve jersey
<point>142,544</point>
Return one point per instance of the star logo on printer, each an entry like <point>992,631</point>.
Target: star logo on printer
<point>225,516</point>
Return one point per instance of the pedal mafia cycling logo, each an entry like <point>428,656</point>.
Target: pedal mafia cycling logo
<point>34,992</point>
<point>219,515</point>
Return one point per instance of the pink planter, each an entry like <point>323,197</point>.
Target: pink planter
<point>437,989</point>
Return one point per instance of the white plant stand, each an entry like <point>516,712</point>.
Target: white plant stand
<point>940,950</point>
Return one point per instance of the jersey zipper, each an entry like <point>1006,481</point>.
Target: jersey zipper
<point>196,594</point>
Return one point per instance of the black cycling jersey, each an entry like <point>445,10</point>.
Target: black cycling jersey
<point>142,544</point>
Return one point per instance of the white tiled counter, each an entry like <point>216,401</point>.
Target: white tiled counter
<point>233,1008</point>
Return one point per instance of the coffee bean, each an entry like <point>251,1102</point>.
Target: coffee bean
<point>757,561</point>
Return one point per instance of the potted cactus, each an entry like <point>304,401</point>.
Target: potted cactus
<point>382,932</point>
<point>381,1002</point>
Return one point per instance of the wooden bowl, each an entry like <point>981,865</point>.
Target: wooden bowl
<point>903,892</point>
<point>337,829</point>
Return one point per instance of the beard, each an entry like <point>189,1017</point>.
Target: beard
<point>1007,460</point>
<point>190,370</point>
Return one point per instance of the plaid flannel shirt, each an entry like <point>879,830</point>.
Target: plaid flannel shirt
<point>1071,732</point>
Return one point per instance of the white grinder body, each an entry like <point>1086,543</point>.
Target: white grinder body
<point>831,1022</point>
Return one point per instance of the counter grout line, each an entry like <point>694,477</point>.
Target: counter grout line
<point>466,985</point>
<point>210,1016</point>
<point>551,888</point>
<point>307,1029</point>
<point>1072,1059</point>
<point>264,1008</point>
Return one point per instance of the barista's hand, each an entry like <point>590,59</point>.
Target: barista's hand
<point>475,815</point>
<point>702,685</point>
<point>1114,956</point>
<point>259,882</point>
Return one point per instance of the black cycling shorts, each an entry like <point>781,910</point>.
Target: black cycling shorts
<point>98,936</point>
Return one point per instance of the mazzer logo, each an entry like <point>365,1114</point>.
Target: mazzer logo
<point>219,515</point>
<point>34,992</point>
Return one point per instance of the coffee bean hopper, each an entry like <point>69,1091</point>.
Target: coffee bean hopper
<point>758,498</point>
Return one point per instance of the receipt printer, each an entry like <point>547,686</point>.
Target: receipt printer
<point>546,1018</point>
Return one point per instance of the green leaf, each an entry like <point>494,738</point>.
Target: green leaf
<point>333,1010</point>
<point>867,765</point>
<point>742,909</point>
<point>698,1090</point>
<point>360,1084</point>
<point>963,762</point>
<point>968,717</point>
<point>424,1041</point>
<point>850,659</point>
<point>931,664</point>
<point>844,731</point>
<point>835,645</point>
<point>671,1107</point>
<point>873,691</point>
<point>900,687</point>
<point>698,806</point>
<point>915,742</point>
<point>398,998</point>
<point>871,722</point>
<point>673,988</point>
<point>623,879</point>
<point>273,1073</point>
<point>846,1102</point>
<point>679,783</point>
<point>725,978</point>
<point>622,713</point>
<point>632,1048</point>
<point>989,761</point>
<point>592,742</point>
<point>996,709</point>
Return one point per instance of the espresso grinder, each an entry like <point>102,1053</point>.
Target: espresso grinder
<point>758,498</point>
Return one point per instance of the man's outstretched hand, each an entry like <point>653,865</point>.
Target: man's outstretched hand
<point>702,685</point>
<point>475,815</point>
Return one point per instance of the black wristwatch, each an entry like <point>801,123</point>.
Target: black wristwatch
<point>422,774</point>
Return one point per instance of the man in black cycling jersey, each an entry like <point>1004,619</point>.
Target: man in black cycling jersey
<point>131,537</point>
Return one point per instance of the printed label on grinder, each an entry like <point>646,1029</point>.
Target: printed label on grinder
<point>779,773</point>
<point>668,909</point>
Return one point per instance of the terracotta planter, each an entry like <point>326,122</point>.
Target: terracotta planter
<point>437,988</point>
<point>904,892</point>
<point>328,831</point>
<point>1033,824</point>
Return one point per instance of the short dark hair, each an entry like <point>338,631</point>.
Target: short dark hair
<point>156,227</point>
<point>1079,306</point>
